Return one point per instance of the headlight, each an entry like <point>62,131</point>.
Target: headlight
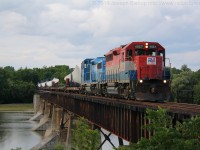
<point>141,81</point>
<point>164,81</point>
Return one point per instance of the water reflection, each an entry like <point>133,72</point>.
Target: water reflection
<point>15,131</point>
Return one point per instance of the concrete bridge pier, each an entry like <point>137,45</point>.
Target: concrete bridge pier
<point>45,120</point>
<point>59,129</point>
<point>50,123</point>
<point>68,125</point>
<point>39,106</point>
<point>55,121</point>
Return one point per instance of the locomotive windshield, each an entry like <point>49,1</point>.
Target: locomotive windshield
<point>140,52</point>
<point>160,53</point>
<point>151,52</point>
<point>99,65</point>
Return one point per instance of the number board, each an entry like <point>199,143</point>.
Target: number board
<point>139,46</point>
<point>152,46</point>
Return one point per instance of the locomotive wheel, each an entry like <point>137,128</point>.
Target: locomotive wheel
<point>126,93</point>
<point>126,97</point>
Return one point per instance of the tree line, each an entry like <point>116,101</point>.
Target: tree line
<point>18,86</point>
<point>185,82</point>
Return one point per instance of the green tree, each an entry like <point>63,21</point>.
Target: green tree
<point>84,137</point>
<point>18,86</point>
<point>197,93</point>
<point>175,71</point>
<point>59,146</point>
<point>184,136</point>
<point>196,76</point>
<point>182,81</point>
<point>4,76</point>
<point>185,68</point>
<point>27,75</point>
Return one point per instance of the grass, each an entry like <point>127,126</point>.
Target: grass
<point>16,107</point>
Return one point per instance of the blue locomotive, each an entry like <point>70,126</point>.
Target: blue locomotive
<point>93,75</point>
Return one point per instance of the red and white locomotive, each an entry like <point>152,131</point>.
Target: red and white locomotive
<point>137,71</point>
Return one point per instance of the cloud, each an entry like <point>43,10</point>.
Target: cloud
<point>38,33</point>
<point>11,22</point>
<point>190,58</point>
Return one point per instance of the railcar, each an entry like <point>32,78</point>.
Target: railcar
<point>93,73</point>
<point>73,80</point>
<point>138,71</point>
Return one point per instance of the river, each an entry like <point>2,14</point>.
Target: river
<point>15,131</point>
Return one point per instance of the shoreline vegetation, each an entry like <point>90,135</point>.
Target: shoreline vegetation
<point>16,107</point>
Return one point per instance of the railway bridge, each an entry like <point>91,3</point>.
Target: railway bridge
<point>123,118</point>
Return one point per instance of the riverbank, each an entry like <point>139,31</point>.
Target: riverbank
<point>16,107</point>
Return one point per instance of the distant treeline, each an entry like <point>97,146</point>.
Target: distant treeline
<point>184,83</point>
<point>18,86</point>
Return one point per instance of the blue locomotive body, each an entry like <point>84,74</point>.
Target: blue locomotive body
<point>92,74</point>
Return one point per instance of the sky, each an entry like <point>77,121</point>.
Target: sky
<point>37,33</point>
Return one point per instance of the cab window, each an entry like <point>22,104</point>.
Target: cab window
<point>129,53</point>
<point>151,53</point>
<point>139,52</point>
<point>160,53</point>
<point>109,57</point>
<point>99,65</point>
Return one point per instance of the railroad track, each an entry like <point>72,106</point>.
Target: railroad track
<point>180,108</point>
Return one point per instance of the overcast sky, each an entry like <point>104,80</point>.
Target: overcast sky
<point>37,33</point>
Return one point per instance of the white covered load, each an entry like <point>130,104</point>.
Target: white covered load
<point>75,76</point>
<point>50,83</point>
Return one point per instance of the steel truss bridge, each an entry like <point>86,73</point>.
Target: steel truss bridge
<point>124,118</point>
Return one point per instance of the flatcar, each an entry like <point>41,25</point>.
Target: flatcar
<point>73,81</point>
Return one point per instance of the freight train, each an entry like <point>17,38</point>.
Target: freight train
<point>135,71</point>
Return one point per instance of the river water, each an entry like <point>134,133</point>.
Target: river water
<point>15,131</point>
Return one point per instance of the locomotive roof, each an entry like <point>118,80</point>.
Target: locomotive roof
<point>117,50</point>
<point>98,60</point>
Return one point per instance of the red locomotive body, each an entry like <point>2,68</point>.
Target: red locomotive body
<point>137,71</point>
